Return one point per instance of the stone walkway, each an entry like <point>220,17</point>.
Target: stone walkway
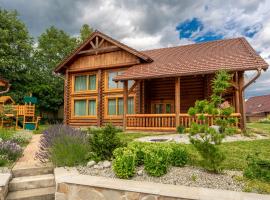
<point>28,158</point>
<point>183,138</point>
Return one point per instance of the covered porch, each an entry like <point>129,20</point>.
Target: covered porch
<point>162,103</point>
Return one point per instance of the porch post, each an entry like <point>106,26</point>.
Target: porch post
<point>237,93</point>
<point>242,101</point>
<point>177,101</point>
<point>125,99</point>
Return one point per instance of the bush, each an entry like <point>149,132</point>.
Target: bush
<point>21,138</point>
<point>124,162</point>
<point>257,168</point>
<point>179,156</point>
<point>68,151</point>
<point>156,159</point>
<point>137,148</point>
<point>181,129</point>
<point>104,141</point>
<point>50,135</point>
<point>3,160</point>
<point>10,149</point>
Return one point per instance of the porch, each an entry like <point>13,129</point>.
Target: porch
<point>162,103</point>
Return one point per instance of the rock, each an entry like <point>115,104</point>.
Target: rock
<point>98,167</point>
<point>216,128</point>
<point>106,164</point>
<point>140,173</point>
<point>91,163</point>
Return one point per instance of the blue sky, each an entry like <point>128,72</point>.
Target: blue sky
<point>157,23</point>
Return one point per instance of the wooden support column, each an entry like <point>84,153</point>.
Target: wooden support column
<point>66,98</point>
<point>99,100</point>
<point>125,99</point>
<point>177,101</point>
<point>242,101</point>
<point>237,97</point>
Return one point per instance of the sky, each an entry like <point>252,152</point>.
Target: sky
<point>147,24</point>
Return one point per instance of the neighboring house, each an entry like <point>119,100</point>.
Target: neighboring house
<point>109,82</point>
<point>257,108</point>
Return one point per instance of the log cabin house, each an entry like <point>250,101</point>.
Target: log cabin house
<point>109,82</point>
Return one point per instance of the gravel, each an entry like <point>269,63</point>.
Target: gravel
<point>188,176</point>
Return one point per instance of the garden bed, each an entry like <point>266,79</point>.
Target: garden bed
<point>188,176</point>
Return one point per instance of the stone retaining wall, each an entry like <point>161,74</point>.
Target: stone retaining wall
<point>82,187</point>
<point>4,180</point>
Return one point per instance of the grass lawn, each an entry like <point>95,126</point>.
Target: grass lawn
<point>130,136</point>
<point>263,128</point>
<point>41,128</point>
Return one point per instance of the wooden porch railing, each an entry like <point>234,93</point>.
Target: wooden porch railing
<point>151,122</point>
<point>168,121</point>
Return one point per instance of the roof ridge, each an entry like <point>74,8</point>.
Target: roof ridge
<point>199,43</point>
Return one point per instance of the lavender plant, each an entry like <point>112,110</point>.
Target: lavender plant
<point>50,135</point>
<point>11,149</point>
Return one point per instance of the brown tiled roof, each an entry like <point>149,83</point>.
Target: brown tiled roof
<point>258,104</point>
<point>202,58</point>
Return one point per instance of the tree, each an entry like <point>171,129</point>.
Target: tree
<point>15,54</point>
<point>85,31</point>
<point>205,138</point>
<point>53,46</point>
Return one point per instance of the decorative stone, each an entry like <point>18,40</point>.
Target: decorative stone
<point>132,195</point>
<point>98,167</point>
<point>140,172</point>
<point>106,164</point>
<point>216,128</point>
<point>112,194</point>
<point>89,193</point>
<point>91,163</point>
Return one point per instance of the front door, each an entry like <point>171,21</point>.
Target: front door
<point>162,106</point>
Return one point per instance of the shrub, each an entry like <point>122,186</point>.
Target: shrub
<point>68,151</point>
<point>3,160</point>
<point>10,149</point>
<point>21,138</point>
<point>52,133</point>
<point>104,141</point>
<point>124,162</point>
<point>257,168</point>
<point>156,159</point>
<point>137,148</point>
<point>179,156</point>
<point>181,129</point>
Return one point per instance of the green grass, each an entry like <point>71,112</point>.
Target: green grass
<point>41,128</point>
<point>130,136</point>
<point>257,127</point>
<point>255,186</point>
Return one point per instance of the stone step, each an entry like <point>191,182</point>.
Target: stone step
<point>33,194</point>
<point>32,171</point>
<point>31,182</point>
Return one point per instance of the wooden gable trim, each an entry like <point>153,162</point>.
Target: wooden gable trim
<point>65,61</point>
<point>99,50</point>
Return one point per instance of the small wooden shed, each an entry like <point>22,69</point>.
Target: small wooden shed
<point>5,100</point>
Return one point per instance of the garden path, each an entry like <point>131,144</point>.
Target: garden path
<point>28,158</point>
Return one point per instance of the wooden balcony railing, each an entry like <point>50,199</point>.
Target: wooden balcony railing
<point>168,121</point>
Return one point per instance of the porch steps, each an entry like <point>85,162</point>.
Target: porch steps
<point>32,183</point>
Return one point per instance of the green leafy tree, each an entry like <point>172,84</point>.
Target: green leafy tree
<point>15,54</point>
<point>52,47</point>
<point>85,31</point>
<point>206,139</point>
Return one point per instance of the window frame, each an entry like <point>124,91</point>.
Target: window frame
<point>163,103</point>
<point>88,91</point>
<point>73,116</point>
<point>106,115</point>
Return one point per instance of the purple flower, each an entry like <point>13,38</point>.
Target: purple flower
<point>11,149</point>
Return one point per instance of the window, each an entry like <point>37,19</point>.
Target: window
<point>115,106</point>
<point>111,84</point>
<point>85,107</point>
<point>85,83</point>
<point>160,106</point>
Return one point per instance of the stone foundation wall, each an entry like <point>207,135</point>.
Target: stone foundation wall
<point>72,185</point>
<point>4,180</point>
